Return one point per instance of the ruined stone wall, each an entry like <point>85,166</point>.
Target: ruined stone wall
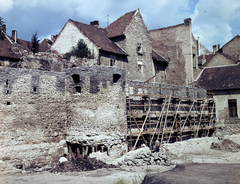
<point>232,48</point>
<point>96,112</point>
<point>175,44</point>
<point>33,116</point>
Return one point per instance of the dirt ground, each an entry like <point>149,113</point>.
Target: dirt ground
<point>100,176</point>
<point>201,158</point>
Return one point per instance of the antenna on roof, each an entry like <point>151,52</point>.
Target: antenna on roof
<point>107,19</point>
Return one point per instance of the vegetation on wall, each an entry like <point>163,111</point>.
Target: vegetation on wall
<point>80,51</point>
<point>2,36</point>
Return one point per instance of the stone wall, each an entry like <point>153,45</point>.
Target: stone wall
<point>175,44</point>
<point>33,116</point>
<point>42,111</point>
<point>134,87</point>
<point>96,113</point>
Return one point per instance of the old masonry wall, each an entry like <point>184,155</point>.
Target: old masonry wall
<point>41,110</point>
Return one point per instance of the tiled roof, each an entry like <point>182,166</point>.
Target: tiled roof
<point>118,27</point>
<point>220,78</point>
<point>8,50</point>
<point>99,37</point>
<point>158,57</point>
<point>45,45</point>
<point>210,56</point>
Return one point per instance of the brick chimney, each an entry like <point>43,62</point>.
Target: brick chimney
<point>214,49</point>
<point>94,23</point>
<point>218,46</point>
<point>187,22</point>
<point>14,36</point>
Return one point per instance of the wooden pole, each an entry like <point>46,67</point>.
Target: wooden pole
<point>175,118</point>
<point>134,147</point>
<point>165,120</point>
<point>200,119</point>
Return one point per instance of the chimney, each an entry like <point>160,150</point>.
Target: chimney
<point>218,47</point>
<point>198,46</point>
<point>187,22</point>
<point>4,28</point>
<point>214,49</point>
<point>14,35</point>
<point>94,23</point>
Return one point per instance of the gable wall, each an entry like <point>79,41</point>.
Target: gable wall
<point>137,33</point>
<point>233,48</point>
<point>175,44</point>
<point>69,37</point>
<point>219,60</point>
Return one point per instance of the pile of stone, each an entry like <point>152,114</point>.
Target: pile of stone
<point>146,159</point>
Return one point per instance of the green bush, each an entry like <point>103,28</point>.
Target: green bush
<point>80,51</point>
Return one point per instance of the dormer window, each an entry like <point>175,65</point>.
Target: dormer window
<point>139,49</point>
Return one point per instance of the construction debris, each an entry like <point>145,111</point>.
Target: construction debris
<point>81,164</point>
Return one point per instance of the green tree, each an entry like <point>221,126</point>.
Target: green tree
<point>34,43</point>
<point>2,36</point>
<point>80,51</point>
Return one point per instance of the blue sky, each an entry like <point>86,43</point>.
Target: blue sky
<point>214,21</point>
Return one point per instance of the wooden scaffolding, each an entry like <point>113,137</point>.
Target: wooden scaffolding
<point>167,116</point>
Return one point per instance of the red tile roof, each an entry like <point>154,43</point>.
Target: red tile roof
<point>99,37</point>
<point>45,45</point>
<point>119,27</point>
<point>220,78</point>
<point>7,50</point>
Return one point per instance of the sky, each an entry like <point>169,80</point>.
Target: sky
<point>214,21</point>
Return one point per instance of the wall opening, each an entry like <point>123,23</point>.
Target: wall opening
<point>76,78</point>
<point>78,89</point>
<point>232,108</point>
<point>8,103</point>
<point>116,77</point>
<point>7,83</point>
<point>34,89</point>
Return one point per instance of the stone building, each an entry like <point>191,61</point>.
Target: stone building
<point>220,76</point>
<point>125,43</point>
<point>179,47</point>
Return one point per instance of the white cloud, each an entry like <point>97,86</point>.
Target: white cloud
<point>212,20</point>
<point>6,6</point>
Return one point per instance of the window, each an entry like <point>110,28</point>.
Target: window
<point>139,49</point>
<point>116,77</point>
<point>112,60</point>
<point>140,66</point>
<point>232,107</point>
<point>78,89</point>
<point>76,78</point>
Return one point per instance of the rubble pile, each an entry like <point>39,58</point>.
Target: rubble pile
<point>146,159</point>
<point>81,164</point>
<point>226,145</point>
